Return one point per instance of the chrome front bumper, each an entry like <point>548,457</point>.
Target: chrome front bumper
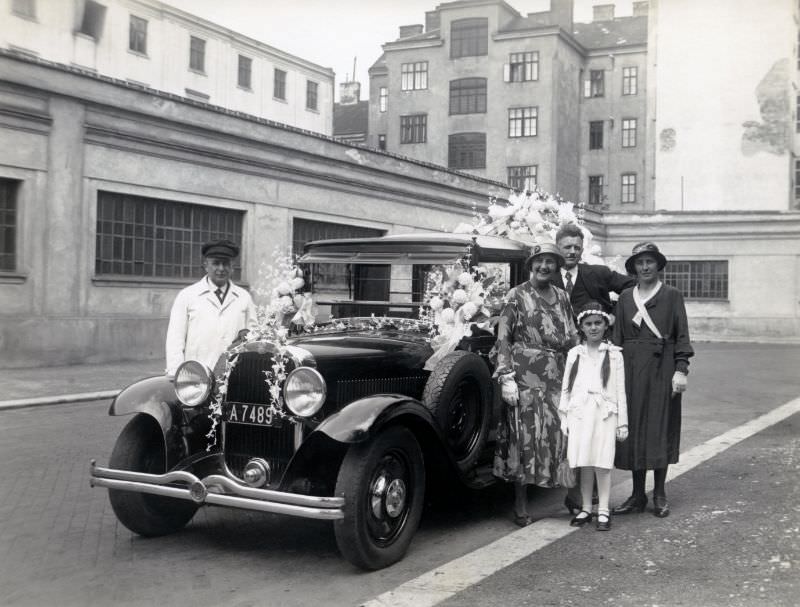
<point>217,490</point>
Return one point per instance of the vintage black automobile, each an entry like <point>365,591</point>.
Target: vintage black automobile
<point>369,430</point>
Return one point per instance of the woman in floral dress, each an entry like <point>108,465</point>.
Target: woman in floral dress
<point>535,332</point>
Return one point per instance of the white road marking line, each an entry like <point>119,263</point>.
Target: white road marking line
<point>444,582</point>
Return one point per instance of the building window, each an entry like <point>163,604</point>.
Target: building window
<point>628,188</point>
<point>279,84</point>
<point>468,96</point>
<point>154,238</point>
<point>797,182</point>
<point>382,142</point>
<point>383,98</point>
<point>245,72</point>
<point>197,54</point>
<point>312,89</point>
<point>522,67</point>
<point>630,80</point>
<point>414,76</point>
<point>596,189</point>
<point>137,39</point>
<point>24,8</point>
<point>466,151</point>
<point>797,114</point>
<point>593,87</point>
<point>414,128</point>
<point>629,132</point>
<point>94,15</point>
<point>522,178</point>
<point>698,279</point>
<point>523,121</point>
<point>596,135</point>
<point>469,37</point>
<point>8,225</point>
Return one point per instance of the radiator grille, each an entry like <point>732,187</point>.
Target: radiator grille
<point>352,389</point>
<point>243,442</point>
<point>247,381</point>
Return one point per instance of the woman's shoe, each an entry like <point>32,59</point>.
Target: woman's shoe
<point>580,520</point>
<point>633,504</point>
<point>660,506</point>
<point>603,522</point>
<point>571,506</point>
<point>522,520</point>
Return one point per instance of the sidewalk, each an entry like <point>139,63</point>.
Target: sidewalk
<point>54,385</point>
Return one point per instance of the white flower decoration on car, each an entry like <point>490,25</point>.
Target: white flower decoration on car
<point>465,279</point>
<point>460,297</point>
<point>447,316</point>
<point>469,310</point>
<point>436,303</point>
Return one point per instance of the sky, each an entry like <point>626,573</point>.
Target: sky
<point>331,33</point>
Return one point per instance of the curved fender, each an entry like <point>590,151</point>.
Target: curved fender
<point>154,396</point>
<point>357,420</point>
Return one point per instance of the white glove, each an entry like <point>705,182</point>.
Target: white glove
<point>679,382</point>
<point>510,392</point>
<point>622,433</point>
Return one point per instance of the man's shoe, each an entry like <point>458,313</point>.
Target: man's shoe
<point>660,506</point>
<point>635,503</point>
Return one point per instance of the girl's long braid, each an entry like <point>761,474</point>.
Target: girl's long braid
<point>605,371</point>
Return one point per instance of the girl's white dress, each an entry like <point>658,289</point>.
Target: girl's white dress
<point>592,412</point>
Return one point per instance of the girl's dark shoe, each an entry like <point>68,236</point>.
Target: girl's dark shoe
<point>660,506</point>
<point>581,519</point>
<point>603,522</point>
<point>635,503</point>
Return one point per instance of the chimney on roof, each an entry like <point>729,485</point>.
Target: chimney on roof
<point>641,8</point>
<point>603,12</point>
<point>349,92</point>
<point>561,14</point>
<point>411,30</point>
<point>432,21</point>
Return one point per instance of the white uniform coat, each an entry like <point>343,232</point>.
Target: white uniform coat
<point>200,328</point>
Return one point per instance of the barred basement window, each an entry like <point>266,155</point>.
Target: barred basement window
<point>154,238</point>
<point>8,224</point>
<point>468,96</point>
<point>469,37</point>
<point>522,178</point>
<point>698,279</point>
<point>466,151</point>
<point>414,128</point>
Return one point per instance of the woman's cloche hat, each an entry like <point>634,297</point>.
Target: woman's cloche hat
<point>543,249</point>
<point>644,248</point>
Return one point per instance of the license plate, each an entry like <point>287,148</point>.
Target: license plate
<point>259,415</point>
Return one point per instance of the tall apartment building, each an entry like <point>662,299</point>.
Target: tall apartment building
<point>523,99</point>
<point>153,45</point>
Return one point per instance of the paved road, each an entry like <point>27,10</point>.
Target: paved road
<point>60,543</point>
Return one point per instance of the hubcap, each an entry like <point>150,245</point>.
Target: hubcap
<point>395,498</point>
<point>389,498</point>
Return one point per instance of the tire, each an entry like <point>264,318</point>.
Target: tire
<point>458,393</point>
<point>383,483</point>
<point>140,447</point>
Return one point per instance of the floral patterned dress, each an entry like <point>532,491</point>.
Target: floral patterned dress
<point>533,339</point>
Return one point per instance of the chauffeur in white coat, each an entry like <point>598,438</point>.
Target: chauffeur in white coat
<point>208,315</point>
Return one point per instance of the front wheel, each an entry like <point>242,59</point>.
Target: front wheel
<point>383,483</point>
<point>140,447</point>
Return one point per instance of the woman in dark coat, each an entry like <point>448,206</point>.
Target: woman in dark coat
<point>652,329</point>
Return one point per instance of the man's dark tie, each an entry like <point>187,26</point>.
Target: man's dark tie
<point>220,295</point>
<point>568,282</point>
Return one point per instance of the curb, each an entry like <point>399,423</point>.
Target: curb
<point>21,403</point>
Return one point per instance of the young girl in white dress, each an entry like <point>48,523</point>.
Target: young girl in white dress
<point>594,410</point>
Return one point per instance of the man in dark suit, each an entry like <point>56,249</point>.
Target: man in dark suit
<point>584,282</point>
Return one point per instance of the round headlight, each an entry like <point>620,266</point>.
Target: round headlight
<point>193,383</point>
<point>304,391</point>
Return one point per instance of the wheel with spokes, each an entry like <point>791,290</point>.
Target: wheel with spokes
<point>383,484</point>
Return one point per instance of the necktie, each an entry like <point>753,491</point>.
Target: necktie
<point>220,295</point>
<point>568,282</point>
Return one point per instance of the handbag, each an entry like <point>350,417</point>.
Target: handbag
<point>565,476</point>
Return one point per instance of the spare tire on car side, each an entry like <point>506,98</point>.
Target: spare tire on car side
<point>459,394</point>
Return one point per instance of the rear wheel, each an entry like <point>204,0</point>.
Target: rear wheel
<point>140,448</point>
<point>383,483</point>
<point>458,393</point>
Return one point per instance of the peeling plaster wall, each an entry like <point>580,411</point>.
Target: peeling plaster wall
<point>723,118</point>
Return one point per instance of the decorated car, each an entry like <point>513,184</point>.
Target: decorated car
<point>351,419</point>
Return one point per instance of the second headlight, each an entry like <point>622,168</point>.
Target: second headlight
<point>304,391</point>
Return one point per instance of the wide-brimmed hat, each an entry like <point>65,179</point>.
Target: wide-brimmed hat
<point>220,248</point>
<point>644,248</point>
<point>543,249</point>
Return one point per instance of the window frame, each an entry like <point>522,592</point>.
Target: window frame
<point>462,147</point>
<point>382,142</point>
<point>596,185</point>
<point>137,35</point>
<point>469,37</point>
<point>692,277</point>
<point>9,225</point>
<point>248,85</point>
<point>197,54</point>
<point>523,66</point>
<point>413,128</point>
<point>24,8</point>
<point>468,96</point>
<point>276,81</point>
<point>594,85</point>
<point>596,135</point>
<point>630,80</point>
<point>524,124</point>
<point>383,98</point>
<point>629,128</point>
<point>414,76</point>
<point>628,190</point>
<point>312,95</point>
<point>528,174</point>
